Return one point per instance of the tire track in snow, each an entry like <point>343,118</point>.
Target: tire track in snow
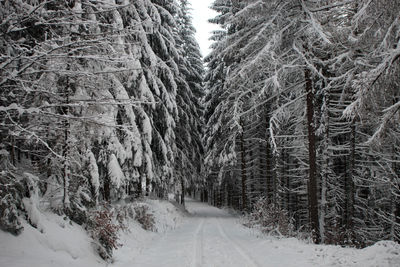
<point>198,245</point>
<point>237,247</point>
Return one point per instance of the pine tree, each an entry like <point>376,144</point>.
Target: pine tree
<point>190,92</point>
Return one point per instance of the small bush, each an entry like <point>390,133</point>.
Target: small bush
<point>145,218</point>
<point>269,218</point>
<point>336,235</point>
<point>104,229</point>
<point>11,193</point>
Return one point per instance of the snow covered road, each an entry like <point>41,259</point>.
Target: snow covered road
<point>212,237</point>
<point>207,237</point>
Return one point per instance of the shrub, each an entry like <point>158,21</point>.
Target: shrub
<point>104,229</point>
<point>145,218</point>
<point>269,218</point>
<point>11,193</point>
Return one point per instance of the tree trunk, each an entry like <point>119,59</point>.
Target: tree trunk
<point>183,192</point>
<point>147,186</point>
<point>350,182</point>
<point>312,182</point>
<point>139,189</point>
<point>243,165</point>
<point>326,162</point>
<point>66,148</point>
<point>107,189</point>
<point>270,182</point>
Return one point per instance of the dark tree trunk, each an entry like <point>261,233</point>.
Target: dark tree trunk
<point>243,165</point>
<point>107,189</point>
<point>139,189</point>
<point>397,219</point>
<point>183,192</point>
<point>349,185</point>
<point>270,190</point>
<point>147,186</point>
<point>312,182</point>
<point>268,150</point>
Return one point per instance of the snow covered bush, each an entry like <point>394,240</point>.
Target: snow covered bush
<point>12,190</point>
<point>19,197</point>
<point>104,229</point>
<point>145,218</point>
<point>105,224</point>
<point>11,193</point>
<point>269,218</point>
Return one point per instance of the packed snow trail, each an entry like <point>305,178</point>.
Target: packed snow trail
<point>212,237</point>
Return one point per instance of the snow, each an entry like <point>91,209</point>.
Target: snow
<point>137,240</point>
<point>213,237</point>
<point>66,244</point>
<point>206,237</point>
<point>94,171</point>
<point>115,172</point>
<point>62,243</point>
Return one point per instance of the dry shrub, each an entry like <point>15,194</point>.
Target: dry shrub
<point>269,218</point>
<point>145,218</point>
<point>104,229</point>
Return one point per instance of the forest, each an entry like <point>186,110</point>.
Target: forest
<point>295,111</point>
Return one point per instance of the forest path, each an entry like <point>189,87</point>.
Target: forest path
<point>213,237</point>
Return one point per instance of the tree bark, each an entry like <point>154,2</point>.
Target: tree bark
<point>66,167</point>
<point>183,192</point>
<point>147,186</point>
<point>270,182</point>
<point>243,166</point>
<point>350,181</point>
<point>312,182</point>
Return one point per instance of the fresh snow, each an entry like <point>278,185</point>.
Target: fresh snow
<point>213,237</point>
<point>208,236</point>
<point>115,172</point>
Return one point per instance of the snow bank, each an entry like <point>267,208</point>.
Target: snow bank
<point>301,253</point>
<point>136,240</point>
<point>60,242</point>
<point>167,216</point>
<point>382,254</point>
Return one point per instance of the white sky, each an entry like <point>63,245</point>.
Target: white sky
<point>200,14</point>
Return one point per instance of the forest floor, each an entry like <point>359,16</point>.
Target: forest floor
<point>206,236</point>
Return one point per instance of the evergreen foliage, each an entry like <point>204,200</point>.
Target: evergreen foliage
<point>302,110</point>
<point>101,102</point>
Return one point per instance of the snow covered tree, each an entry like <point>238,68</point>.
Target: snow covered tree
<point>190,92</point>
<point>89,100</point>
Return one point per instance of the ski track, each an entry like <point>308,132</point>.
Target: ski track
<point>210,238</point>
<point>198,248</point>
<point>237,247</point>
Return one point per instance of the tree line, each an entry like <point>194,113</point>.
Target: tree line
<point>302,109</point>
<point>99,102</point>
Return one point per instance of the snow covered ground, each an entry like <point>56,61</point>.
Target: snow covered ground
<point>63,243</point>
<point>207,237</point>
<point>212,237</point>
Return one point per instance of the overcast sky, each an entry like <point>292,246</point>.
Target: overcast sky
<point>201,13</point>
